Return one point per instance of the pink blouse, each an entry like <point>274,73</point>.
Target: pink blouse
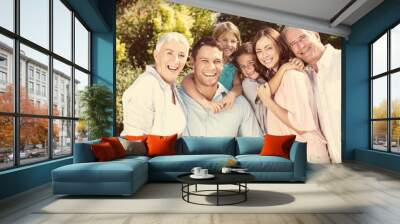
<point>295,94</point>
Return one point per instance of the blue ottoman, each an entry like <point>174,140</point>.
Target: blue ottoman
<point>118,177</point>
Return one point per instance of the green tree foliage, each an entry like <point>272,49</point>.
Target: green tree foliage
<point>97,102</point>
<point>249,27</point>
<point>121,52</point>
<point>126,74</point>
<point>141,22</point>
<point>380,127</point>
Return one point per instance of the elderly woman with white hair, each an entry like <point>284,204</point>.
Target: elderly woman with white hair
<point>151,104</point>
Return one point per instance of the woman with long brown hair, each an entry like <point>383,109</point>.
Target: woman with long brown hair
<point>292,109</point>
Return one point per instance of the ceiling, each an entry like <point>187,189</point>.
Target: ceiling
<point>327,16</point>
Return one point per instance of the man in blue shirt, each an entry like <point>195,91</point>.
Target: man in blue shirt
<point>239,120</point>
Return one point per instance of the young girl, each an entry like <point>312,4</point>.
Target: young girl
<point>227,36</point>
<point>253,75</point>
<point>292,110</point>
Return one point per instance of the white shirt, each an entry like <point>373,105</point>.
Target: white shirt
<point>239,120</point>
<point>148,107</point>
<point>250,92</point>
<point>327,93</point>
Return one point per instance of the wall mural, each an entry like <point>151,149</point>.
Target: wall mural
<point>195,72</point>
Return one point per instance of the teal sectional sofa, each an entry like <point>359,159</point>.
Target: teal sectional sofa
<point>125,176</point>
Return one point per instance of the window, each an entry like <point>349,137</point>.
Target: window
<point>7,14</point>
<point>3,71</point>
<point>3,78</point>
<point>44,91</point>
<point>54,125</point>
<point>385,94</point>
<point>30,72</point>
<point>3,61</point>
<point>62,29</point>
<point>81,45</point>
<point>38,89</point>
<point>37,74</point>
<point>30,87</point>
<point>7,73</point>
<point>34,22</point>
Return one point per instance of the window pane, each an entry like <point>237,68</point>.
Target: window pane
<point>395,94</point>
<point>34,77</point>
<point>395,136</point>
<point>6,74</point>
<point>35,21</point>
<point>379,97</point>
<point>62,29</point>
<point>7,14</point>
<point>6,142</point>
<point>379,55</point>
<point>33,139</point>
<point>379,135</point>
<point>62,138</point>
<point>81,81</point>
<point>62,89</point>
<point>395,47</point>
<point>81,131</point>
<point>81,45</point>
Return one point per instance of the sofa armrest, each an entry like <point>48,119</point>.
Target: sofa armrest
<point>83,152</point>
<point>298,155</point>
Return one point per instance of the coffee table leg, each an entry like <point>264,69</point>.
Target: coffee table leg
<point>245,191</point>
<point>196,188</point>
<point>217,194</point>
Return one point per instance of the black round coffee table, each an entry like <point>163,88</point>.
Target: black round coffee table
<point>238,179</point>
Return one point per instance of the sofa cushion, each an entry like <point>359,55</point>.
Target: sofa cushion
<point>111,171</point>
<point>103,151</point>
<point>161,145</point>
<point>257,163</point>
<point>275,145</point>
<point>116,145</point>
<point>185,163</point>
<point>134,147</point>
<point>249,145</point>
<point>195,145</point>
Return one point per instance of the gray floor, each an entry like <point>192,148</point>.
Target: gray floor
<point>377,188</point>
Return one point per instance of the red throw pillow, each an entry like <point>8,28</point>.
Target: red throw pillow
<point>116,145</point>
<point>103,151</point>
<point>161,145</point>
<point>277,145</point>
<point>135,138</point>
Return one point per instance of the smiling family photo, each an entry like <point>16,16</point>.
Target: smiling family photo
<point>188,71</point>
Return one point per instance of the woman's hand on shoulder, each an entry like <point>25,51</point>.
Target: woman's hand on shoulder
<point>214,107</point>
<point>294,64</point>
<point>264,93</point>
<point>228,100</point>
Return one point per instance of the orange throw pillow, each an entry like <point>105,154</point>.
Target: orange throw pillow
<point>161,145</point>
<point>116,145</point>
<point>103,151</point>
<point>277,145</point>
<point>135,138</point>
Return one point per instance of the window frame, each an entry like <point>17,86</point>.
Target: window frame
<point>16,114</point>
<point>389,73</point>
